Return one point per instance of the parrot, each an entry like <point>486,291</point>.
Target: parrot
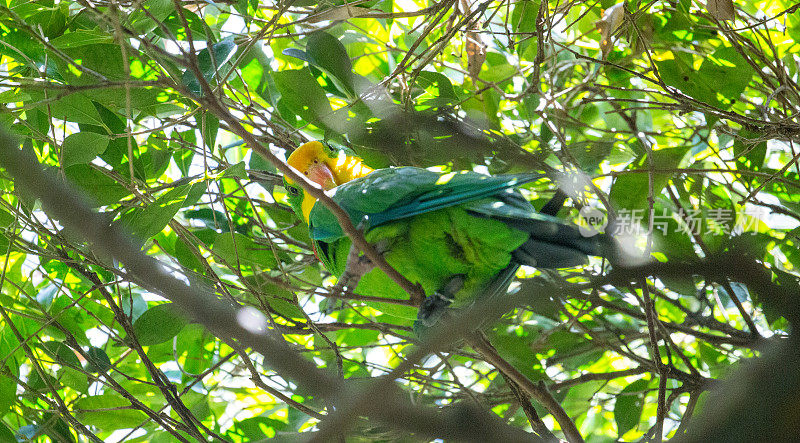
<point>457,235</point>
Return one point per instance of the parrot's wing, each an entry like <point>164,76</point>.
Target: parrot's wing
<point>393,194</point>
<point>460,189</point>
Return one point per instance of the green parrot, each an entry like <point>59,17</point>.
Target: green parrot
<point>457,235</point>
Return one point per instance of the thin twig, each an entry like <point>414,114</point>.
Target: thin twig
<point>480,343</point>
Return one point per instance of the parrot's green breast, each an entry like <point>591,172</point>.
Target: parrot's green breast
<point>430,249</point>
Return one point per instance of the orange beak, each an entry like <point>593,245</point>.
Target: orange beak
<point>321,174</point>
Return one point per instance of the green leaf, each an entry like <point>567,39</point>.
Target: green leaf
<point>73,378</point>
<point>716,361</point>
<point>592,154</point>
<point>61,353</point>
<point>499,69</point>
<point>727,71</point>
<point>301,93</point>
<point>153,12</point>
<point>54,21</point>
<point>159,324</point>
<point>285,307</point>
<point>209,63</point>
<point>670,239</point>
<point>6,434</point>
<point>6,219</point>
<point>356,337</point>
<point>191,343</point>
<point>630,191</point>
<point>114,98</point>
<point>183,157</point>
<point>516,350</point>
<point>680,73</point>
<point>239,249</point>
<point>750,154</point>
<point>236,171</point>
<point>628,408</point>
<point>212,219</point>
<point>11,350</point>
<point>46,295</point>
<point>56,428</point>
<point>682,284</point>
<point>149,221</point>
<point>579,396</point>
<point>37,119</point>
<point>210,125</point>
<point>102,189</point>
<point>523,18</point>
<point>76,108</point>
<point>257,428</point>
<point>443,87</point>
<point>724,72</point>
<point>98,360</point>
<point>156,159</point>
<point>83,147</point>
<point>175,25</point>
<point>40,382</point>
<point>13,96</point>
<point>297,53</point>
<point>81,37</point>
<point>108,412</point>
<point>327,53</point>
<point>259,163</point>
<point>197,404</point>
<point>185,256</point>
<point>8,393</point>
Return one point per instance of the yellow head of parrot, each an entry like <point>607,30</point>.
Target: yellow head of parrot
<point>324,166</point>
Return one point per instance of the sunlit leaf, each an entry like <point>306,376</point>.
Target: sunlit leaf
<point>159,324</point>
<point>301,93</point>
<point>327,53</point>
<point>83,147</point>
<point>97,411</point>
<point>628,406</point>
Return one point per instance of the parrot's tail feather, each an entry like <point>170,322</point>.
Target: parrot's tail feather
<point>554,204</point>
<point>550,238</point>
<point>542,254</point>
<point>513,198</point>
<point>499,285</point>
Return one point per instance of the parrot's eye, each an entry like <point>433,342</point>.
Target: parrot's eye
<point>293,191</point>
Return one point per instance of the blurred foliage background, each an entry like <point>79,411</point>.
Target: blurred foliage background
<point>673,118</point>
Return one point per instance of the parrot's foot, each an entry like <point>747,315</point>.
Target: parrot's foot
<point>357,265</point>
<point>433,307</point>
